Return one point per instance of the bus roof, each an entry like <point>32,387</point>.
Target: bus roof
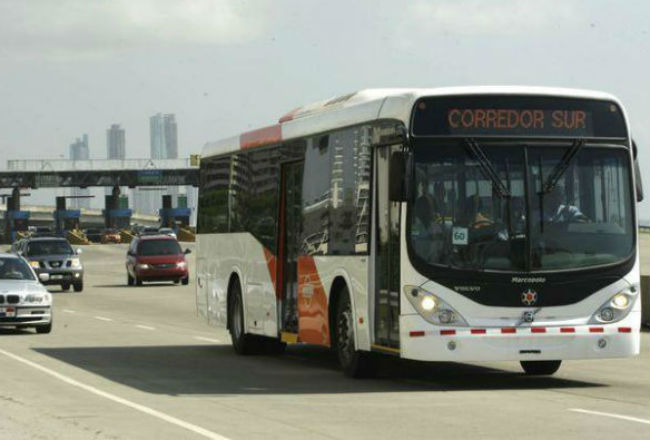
<point>368,105</point>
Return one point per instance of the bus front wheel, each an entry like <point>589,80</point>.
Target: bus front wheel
<point>540,368</point>
<point>241,342</point>
<point>354,363</point>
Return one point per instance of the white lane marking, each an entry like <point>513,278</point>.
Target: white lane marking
<point>145,327</point>
<point>201,338</point>
<point>69,311</point>
<point>152,412</point>
<point>616,416</point>
<point>103,318</point>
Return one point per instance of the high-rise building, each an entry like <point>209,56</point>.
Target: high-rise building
<point>115,142</point>
<point>164,136</point>
<point>164,145</point>
<point>79,151</point>
<point>115,146</point>
<point>79,148</point>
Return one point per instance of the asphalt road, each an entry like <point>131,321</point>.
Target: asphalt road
<point>137,363</point>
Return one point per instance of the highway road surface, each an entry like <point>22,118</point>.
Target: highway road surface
<point>137,363</point>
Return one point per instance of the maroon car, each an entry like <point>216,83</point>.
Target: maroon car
<point>156,258</point>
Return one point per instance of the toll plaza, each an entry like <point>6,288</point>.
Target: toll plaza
<point>131,173</point>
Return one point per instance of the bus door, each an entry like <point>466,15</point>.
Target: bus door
<point>289,228</point>
<point>386,255</point>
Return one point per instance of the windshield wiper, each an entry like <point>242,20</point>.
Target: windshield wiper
<point>486,167</point>
<point>562,166</point>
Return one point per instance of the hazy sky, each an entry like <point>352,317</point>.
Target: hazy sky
<point>69,67</point>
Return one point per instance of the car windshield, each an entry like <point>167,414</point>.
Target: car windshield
<point>50,247</point>
<point>476,211</point>
<point>15,269</point>
<point>159,247</point>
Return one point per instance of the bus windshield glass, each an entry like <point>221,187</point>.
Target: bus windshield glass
<point>507,207</point>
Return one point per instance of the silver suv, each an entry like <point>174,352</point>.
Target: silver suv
<point>53,256</point>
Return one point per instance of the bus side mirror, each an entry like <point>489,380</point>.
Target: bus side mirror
<point>637,175</point>
<point>396,172</point>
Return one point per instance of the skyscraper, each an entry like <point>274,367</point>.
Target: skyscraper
<point>164,145</point>
<point>79,148</point>
<point>164,136</point>
<point>115,142</point>
<point>79,151</point>
<point>115,145</point>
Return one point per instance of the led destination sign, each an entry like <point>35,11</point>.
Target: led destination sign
<point>517,116</point>
<point>513,119</point>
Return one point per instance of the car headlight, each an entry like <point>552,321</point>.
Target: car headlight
<point>35,264</point>
<point>615,309</point>
<point>142,266</point>
<point>75,262</point>
<point>432,308</point>
<point>181,264</point>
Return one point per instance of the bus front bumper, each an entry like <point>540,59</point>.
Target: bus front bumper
<point>425,342</point>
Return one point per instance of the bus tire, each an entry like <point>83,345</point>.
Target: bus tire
<point>353,362</point>
<point>540,368</point>
<point>242,343</point>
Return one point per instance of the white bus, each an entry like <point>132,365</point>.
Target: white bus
<point>452,224</point>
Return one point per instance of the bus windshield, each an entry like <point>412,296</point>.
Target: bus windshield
<point>507,207</point>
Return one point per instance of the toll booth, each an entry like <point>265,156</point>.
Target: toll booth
<point>15,222</point>
<point>65,219</point>
<point>117,213</point>
<point>117,218</point>
<point>173,217</point>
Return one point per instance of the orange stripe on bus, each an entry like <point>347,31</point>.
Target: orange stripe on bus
<point>313,315</point>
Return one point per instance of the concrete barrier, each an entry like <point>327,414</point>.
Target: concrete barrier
<point>645,300</point>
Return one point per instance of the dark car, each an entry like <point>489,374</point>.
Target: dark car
<point>149,230</point>
<point>53,256</point>
<point>94,235</point>
<point>156,258</point>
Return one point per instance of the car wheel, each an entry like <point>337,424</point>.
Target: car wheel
<point>186,281</point>
<point>42,329</point>
<point>540,368</point>
<point>129,280</point>
<point>241,342</point>
<point>65,287</point>
<point>78,286</point>
<point>354,363</point>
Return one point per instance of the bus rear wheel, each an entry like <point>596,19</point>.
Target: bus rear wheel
<point>241,342</point>
<point>540,368</point>
<point>354,363</point>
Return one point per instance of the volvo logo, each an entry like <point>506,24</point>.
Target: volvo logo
<point>529,297</point>
<point>528,317</point>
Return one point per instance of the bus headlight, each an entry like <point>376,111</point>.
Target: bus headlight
<point>428,303</point>
<point>432,308</point>
<point>621,301</point>
<point>615,309</point>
